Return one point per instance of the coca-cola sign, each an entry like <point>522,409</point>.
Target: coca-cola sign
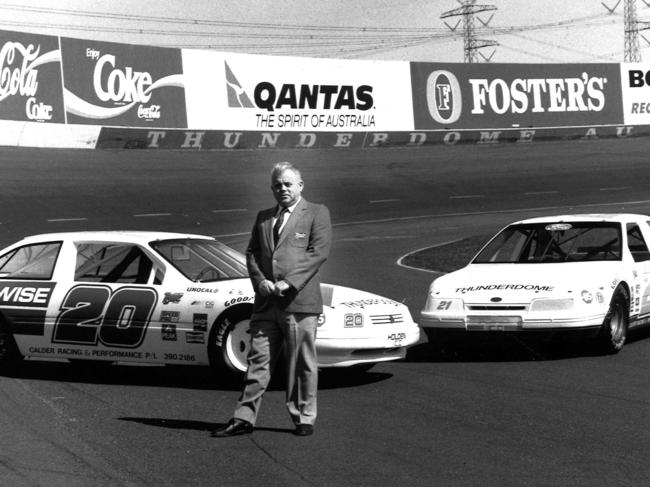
<point>30,78</point>
<point>122,84</point>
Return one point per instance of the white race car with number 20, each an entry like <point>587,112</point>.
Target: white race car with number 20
<point>166,298</point>
<point>580,272</point>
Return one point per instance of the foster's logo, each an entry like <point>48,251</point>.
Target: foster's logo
<point>444,97</point>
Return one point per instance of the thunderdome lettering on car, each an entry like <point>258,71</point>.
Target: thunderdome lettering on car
<point>165,298</point>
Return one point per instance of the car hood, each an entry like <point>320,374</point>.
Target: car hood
<point>336,296</point>
<point>523,282</point>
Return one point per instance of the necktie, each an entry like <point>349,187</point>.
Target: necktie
<point>278,225</point>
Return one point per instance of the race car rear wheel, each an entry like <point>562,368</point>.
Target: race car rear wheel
<point>613,332</point>
<point>230,340</point>
<point>9,353</point>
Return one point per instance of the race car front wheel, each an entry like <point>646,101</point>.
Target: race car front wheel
<point>613,331</point>
<point>230,341</point>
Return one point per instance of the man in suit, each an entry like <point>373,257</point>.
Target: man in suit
<point>288,245</point>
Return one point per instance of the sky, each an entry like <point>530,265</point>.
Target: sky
<point>523,31</point>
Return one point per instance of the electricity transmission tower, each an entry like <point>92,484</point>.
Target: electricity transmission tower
<point>471,43</point>
<point>632,26</point>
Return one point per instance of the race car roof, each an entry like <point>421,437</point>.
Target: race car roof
<point>589,217</point>
<point>142,237</point>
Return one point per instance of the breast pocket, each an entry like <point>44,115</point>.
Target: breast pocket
<point>299,238</point>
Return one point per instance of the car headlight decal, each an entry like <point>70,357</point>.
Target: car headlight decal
<point>353,320</point>
<point>552,304</point>
<point>443,305</point>
<point>587,296</point>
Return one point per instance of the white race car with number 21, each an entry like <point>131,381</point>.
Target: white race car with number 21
<point>556,273</point>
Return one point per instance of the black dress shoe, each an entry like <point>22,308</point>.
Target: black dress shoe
<point>304,430</point>
<point>235,427</point>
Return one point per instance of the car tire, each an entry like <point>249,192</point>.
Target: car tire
<point>9,353</point>
<point>613,332</point>
<point>229,341</point>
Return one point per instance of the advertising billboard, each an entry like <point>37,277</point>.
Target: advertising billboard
<point>635,79</point>
<point>30,78</point>
<point>251,92</point>
<point>515,95</point>
<point>123,84</point>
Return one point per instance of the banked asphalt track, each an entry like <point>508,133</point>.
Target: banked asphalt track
<point>490,412</point>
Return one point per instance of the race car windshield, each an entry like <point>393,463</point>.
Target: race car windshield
<point>553,242</point>
<point>202,260</point>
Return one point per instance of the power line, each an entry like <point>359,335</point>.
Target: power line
<point>284,39</point>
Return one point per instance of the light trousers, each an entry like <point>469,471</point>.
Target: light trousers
<point>272,331</point>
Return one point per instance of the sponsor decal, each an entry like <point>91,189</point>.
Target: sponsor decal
<point>397,338</point>
<point>194,337</point>
<point>36,295</point>
<point>270,96</point>
<point>241,299</point>
<point>635,79</point>
<point>123,84</point>
<point>172,298</point>
<point>201,290</point>
<point>256,92</point>
<point>30,78</point>
<point>505,287</point>
<point>168,332</point>
<point>200,321</point>
<point>209,304</point>
<point>515,95</point>
<point>362,303</point>
<point>444,97</point>
<point>170,316</point>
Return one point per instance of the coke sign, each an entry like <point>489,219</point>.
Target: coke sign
<point>121,84</point>
<point>30,78</point>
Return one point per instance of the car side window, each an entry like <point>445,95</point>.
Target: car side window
<point>112,262</point>
<point>30,261</point>
<point>636,243</point>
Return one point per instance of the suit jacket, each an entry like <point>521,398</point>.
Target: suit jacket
<point>303,246</point>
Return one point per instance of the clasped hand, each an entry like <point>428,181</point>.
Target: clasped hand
<point>268,288</point>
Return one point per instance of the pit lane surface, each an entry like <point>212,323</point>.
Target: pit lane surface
<point>498,412</point>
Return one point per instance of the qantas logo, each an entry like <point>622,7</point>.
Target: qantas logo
<point>269,96</point>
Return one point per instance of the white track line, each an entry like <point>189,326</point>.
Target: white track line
<point>401,264</point>
<point>390,200</point>
<point>148,215</point>
<point>57,220</point>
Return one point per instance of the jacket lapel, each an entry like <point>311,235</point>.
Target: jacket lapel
<point>296,215</point>
<point>267,226</point>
